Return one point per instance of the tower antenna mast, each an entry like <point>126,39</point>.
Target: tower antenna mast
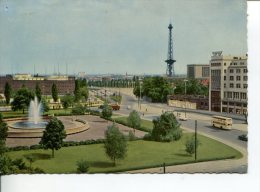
<point>170,61</point>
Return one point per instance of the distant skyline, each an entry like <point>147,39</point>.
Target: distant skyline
<point>100,37</point>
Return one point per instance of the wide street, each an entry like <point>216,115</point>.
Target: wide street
<point>150,111</point>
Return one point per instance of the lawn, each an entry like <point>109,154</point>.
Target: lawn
<point>141,154</point>
<point>145,124</point>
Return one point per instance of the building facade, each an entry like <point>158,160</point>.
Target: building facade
<point>198,71</point>
<point>65,84</point>
<point>189,101</point>
<point>228,83</point>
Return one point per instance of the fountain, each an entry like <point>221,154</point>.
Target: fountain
<point>34,126</point>
<point>35,111</point>
<point>34,118</point>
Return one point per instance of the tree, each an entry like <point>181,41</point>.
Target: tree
<point>38,92</point>
<point>107,111</point>
<point>115,143</point>
<point>53,135</point>
<point>84,92</point>
<point>3,135</point>
<point>77,95</point>
<point>22,99</point>
<point>134,120</point>
<point>3,128</point>
<point>190,145</point>
<point>67,101</point>
<point>54,92</point>
<point>156,88</point>
<point>7,92</point>
<point>45,106</point>
<point>166,128</point>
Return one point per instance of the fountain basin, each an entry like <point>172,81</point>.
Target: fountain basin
<point>28,125</point>
<point>22,128</point>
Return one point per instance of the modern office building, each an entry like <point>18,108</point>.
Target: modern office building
<point>198,71</point>
<point>228,83</point>
<point>65,84</point>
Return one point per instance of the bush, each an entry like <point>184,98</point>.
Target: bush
<point>190,145</point>
<point>78,110</point>
<point>147,137</point>
<point>107,111</point>
<point>19,163</point>
<point>35,147</point>
<point>83,166</point>
<point>166,128</point>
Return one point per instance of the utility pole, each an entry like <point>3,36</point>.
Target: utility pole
<point>185,80</point>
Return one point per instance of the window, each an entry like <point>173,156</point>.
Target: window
<point>243,96</point>
<point>245,78</point>
<point>231,71</point>
<point>245,70</point>
<point>245,86</point>
<point>237,70</point>
<point>229,94</point>
<point>224,64</point>
<point>225,70</point>
<point>238,78</point>
<point>224,78</point>
<point>236,95</point>
<point>231,78</point>
<point>224,85</point>
<point>238,85</point>
<point>231,85</point>
<point>235,63</point>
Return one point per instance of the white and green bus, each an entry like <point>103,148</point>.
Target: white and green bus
<point>222,122</point>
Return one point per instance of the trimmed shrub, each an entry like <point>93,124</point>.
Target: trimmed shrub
<point>82,166</point>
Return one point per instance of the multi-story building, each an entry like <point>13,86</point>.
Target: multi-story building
<point>198,71</point>
<point>65,84</point>
<point>228,83</point>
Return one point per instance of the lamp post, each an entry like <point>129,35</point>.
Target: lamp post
<point>185,80</point>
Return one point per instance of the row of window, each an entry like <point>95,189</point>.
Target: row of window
<point>237,70</point>
<point>238,78</point>
<point>238,85</point>
<point>235,95</point>
<point>215,64</point>
<point>235,63</point>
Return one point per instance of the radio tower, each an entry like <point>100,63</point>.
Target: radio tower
<point>170,61</point>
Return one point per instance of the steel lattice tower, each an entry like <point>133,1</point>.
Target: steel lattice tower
<point>170,61</point>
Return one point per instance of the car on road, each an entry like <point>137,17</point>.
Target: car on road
<point>183,118</point>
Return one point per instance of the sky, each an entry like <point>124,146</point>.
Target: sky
<point>116,36</point>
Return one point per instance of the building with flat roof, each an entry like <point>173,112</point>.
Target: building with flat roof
<point>228,83</point>
<point>198,71</point>
<point>65,84</point>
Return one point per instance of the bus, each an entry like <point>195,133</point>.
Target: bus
<point>222,122</point>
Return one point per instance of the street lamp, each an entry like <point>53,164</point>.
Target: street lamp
<point>185,80</point>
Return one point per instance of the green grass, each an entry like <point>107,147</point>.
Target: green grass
<point>141,154</point>
<point>145,124</point>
